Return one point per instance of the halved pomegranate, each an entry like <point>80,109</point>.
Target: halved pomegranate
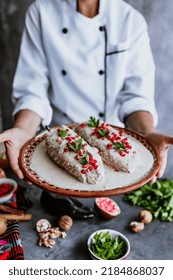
<point>107,207</point>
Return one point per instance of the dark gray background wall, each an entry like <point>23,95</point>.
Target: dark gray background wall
<point>160,21</point>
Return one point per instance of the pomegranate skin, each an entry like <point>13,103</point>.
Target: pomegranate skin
<point>107,207</point>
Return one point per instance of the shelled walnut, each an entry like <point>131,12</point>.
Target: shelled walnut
<point>43,225</point>
<point>49,243</point>
<point>48,233</point>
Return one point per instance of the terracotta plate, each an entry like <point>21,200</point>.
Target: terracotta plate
<point>43,172</point>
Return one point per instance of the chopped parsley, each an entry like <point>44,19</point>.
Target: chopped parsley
<point>107,247</point>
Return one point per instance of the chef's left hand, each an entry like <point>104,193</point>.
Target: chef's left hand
<point>162,142</point>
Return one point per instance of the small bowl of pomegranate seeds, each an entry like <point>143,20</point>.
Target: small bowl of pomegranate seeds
<point>7,188</point>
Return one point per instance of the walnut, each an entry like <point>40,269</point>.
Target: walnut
<point>49,243</point>
<point>145,216</point>
<point>63,234</point>
<point>46,232</point>
<point>43,225</point>
<point>136,226</point>
<point>44,235</point>
<point>65,222</point>
<point>54,230</point>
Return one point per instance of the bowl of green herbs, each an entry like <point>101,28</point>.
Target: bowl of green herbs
<point>108,244</point>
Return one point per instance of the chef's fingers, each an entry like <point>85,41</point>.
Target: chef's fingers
<point>153,180</point>
<point>28,182</point>
<point>163,156</point>
<point>5,136</point>
<point>12,155</point>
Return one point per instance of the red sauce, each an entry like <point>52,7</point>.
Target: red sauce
<point>5,189</point>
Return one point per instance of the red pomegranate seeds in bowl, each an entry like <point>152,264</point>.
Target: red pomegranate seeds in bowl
<point>7,188</point>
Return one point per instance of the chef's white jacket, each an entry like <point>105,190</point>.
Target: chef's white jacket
<point>72,67</point>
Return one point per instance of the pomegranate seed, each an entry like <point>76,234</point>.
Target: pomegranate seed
<point>77,157</point>
<point>80,153</point>
<point>109,146</point>
<point>84,165</point>
<point>83,125</point>
<point>83,145</point>
<point>68,138</point>
<point>134,152</point>
<point>120,133</point>
<point>124,140</point>
<point>66,150</point>
<point>121,154</point>
<point>91,167</point>
<point>83,171</point>
<point>95,166</point>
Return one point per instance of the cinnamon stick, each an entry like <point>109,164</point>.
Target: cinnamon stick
<point>21,217</point>
<point>8,209</point>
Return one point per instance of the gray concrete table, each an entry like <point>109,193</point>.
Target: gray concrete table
<point>153,243</point>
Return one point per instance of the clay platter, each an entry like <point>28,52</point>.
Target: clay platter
<point>44,173</point>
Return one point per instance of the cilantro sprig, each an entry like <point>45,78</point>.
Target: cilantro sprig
<point>157,198</point>
<point>119,146</point>
<point>93,122</point>
<point>76,146</point>
<point>107,247</point>
<point>63,133</point>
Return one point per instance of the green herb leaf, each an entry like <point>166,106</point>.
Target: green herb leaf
<point>76,146</point>
<point>93,122</point>
<point>103,132</point>
<point>85,158</point>
<point>119,146</point>
<point>157,198</point>
<point>107,247</point>
<point>63,133</point>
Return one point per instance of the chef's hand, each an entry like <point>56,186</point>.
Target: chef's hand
<point>162,142</point>
<point>13,140</point>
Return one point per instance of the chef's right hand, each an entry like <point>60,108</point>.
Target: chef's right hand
<point>13,140</point>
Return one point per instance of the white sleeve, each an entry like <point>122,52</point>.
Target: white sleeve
<point>139,86</point>
<point>31,81</point>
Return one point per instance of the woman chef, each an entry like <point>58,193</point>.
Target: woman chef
<point>80,59</point>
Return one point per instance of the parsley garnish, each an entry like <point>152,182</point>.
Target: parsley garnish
<point>103,132</point>
<point>63,133</point>
<point>85,158</point>
<point>119,146</point>
<point>76,146</point>
<point>107,247</point>
<point>93,122</point>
